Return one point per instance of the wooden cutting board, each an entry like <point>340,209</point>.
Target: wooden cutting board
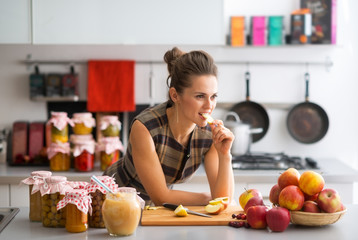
<point>166,217</point>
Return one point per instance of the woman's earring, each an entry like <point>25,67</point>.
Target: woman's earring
<point>176,110</point>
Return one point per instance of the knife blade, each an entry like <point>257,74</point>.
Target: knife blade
<point>174,206</point>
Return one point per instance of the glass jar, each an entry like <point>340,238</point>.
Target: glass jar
<point>37,178</point>
<point>59,156</point>
<point>121,212</point>
<point>83,123</point>
<point>110,126</point>
<point>59,126</point>
<point>77,203</point>
<point>109,148</point>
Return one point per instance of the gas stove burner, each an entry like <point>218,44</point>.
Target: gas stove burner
<point>271,161</point>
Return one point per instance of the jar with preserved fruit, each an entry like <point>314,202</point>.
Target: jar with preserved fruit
<point>59,156</point>
<point>110,126</point>
<point>109,148</point>
<point>83,123</point>
<point>37,178</point>
<point>51,195</point>
<point>59,126</point>
<point>98,195</point>
<point>83,152</point>
<point>78,204</point>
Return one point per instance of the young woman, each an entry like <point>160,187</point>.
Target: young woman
<point>168,142</point>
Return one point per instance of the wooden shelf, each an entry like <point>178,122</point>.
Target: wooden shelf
<point>55,99</point>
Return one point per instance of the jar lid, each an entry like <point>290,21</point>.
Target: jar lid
<point>57,179</point>
<point>82,115</point>
<point>37,178</point>
<point>89,146</point>
<point>60,120</point>
<point>107,180</point>
<point>78,184</point>
<point>85,118</point>
<point>79,198</point>
<point>109,145</point>
<point>58,147</point>
<point>55,184</point>
<point>110,120</point>
<point>81,138</point>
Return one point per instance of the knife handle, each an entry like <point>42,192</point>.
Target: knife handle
<point>170,206</point>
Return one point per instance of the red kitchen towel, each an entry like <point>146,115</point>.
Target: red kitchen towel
<point>110,86</point>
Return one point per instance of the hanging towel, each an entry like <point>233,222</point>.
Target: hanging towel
<point>110,86</point>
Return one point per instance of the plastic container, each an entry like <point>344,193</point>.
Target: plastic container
<point>98,195</point>
<point>83,153</point>
<point>59,156</point>
<point>59,126</point>
<point>109,148</point>
<point>37,178</point>
<point>83,123</point>
<point>78,204</point>
<point>110,126</point>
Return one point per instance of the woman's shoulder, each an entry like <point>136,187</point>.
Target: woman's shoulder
<point>153,116</point>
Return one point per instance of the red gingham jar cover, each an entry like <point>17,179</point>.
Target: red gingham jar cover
<point>60,120</point>
<point>78,197</point>
<point>107,180</point>
<point>55,184</point>
<point>78,185</point>
<point>37,178</point>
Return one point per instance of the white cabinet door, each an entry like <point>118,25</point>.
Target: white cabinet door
<point>4,196</point>
<point>15,21</point>
<point>19,195</point>
<point>128,22</point>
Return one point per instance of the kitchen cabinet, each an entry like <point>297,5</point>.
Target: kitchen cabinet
<point>128,22</point>
<point>15,21</point>
<point>4,196</point>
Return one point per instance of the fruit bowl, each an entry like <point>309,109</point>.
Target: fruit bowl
<point>315,219</point>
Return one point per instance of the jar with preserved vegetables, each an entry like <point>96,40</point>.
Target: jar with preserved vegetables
<point>37,178</point>
<point>50,195</point>
<point>78,205</point>
<point>83,152</point>
<point>110,126</point>
<point>83,123</point>
<point>109,148</point>
<point>59,126</point>
<point>59,156</point>
<point>98,195</point>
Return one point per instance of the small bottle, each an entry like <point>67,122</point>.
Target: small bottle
<point>58,124</point>
<point>83,152</point>
<point>110,126</point>
<point>83,123</point>
<point>78,204</point>
<point>109,148</point>
<point>59,156</point>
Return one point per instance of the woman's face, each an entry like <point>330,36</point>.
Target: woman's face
<point>198,99</point>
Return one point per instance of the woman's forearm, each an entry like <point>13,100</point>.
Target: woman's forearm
<point>224,185</point>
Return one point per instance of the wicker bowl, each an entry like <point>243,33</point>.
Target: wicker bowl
<point>315,219</point>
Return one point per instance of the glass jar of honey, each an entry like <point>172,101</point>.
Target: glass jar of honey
<point>37,178</point>
<point>59,156</point>
<point>59,126</point>
<point>109,148</point>
<point>83,123</point>
<point>83,153</point>
<point>78,204</point>
<point>110,126</point>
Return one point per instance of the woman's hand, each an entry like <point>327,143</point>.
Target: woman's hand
<point>222,137</point>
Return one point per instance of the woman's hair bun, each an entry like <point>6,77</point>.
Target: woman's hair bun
<point>171,56</point>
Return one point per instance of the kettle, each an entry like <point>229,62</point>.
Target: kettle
<point>242,132</point>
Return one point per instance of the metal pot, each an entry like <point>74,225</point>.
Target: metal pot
<point>242,132</point>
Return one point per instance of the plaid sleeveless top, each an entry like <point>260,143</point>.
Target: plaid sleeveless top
<point>178,162</point>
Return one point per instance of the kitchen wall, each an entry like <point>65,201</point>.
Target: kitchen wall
<point>334,90</point>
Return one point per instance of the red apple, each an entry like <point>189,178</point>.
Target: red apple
<point>310,198</point>
<point>278,218</point>
<point>274,193</point>
<point>256,216</point>
<point>254,201</point>
<point>341,208</point>
<point>288,177</point>
<point>311,182</point>
<point>291,197</point>
<point>245,196</point>
<point>310,206</point>
<point>329,201</point>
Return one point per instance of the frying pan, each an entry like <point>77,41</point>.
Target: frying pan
<point>252,113</point>
<point>307,122</point>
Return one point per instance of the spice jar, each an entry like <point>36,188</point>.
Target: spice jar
<point>109,148</point>
<point>78,204</point>
<point>83,123</point>
<point>59,126</point>
<point>59,156</point>
<point>110,126</point>
<point>54,192</point>
<point>121,212</point>
<point>83,152</point>
<point>98,195</point>
<point>37,178</point>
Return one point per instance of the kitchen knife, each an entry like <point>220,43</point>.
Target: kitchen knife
<point>174,206</point>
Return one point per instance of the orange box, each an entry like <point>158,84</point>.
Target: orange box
<point>237,31</point>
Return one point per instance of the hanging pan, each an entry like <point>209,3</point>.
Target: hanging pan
<point>307,122</point>
<point>252,113</point>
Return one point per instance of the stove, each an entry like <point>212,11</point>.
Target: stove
<point>272,161</point>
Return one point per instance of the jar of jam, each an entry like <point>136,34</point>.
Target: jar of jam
<point>59,156</point>
<point>37,178</point>
<point>98,195</point>
<point>83,152</point>
<point>51,194</point>
<point>59,126</point>
<point>110,126</point>
<point>78,204</point>
<point>83,123</point>
<point>121,212</point>
<point>109,148</point>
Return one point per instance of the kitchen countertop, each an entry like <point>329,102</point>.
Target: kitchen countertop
<point>333,170</point>
<point>344,229</point>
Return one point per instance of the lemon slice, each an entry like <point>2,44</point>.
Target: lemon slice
<point>208,118</point>
<point>180,211</point>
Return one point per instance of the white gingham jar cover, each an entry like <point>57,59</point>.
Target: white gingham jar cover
<point>60,120</point>
<point>110,120</point>
<point>37,178</point>
<point>79,198</point>
<point>55,184</point>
